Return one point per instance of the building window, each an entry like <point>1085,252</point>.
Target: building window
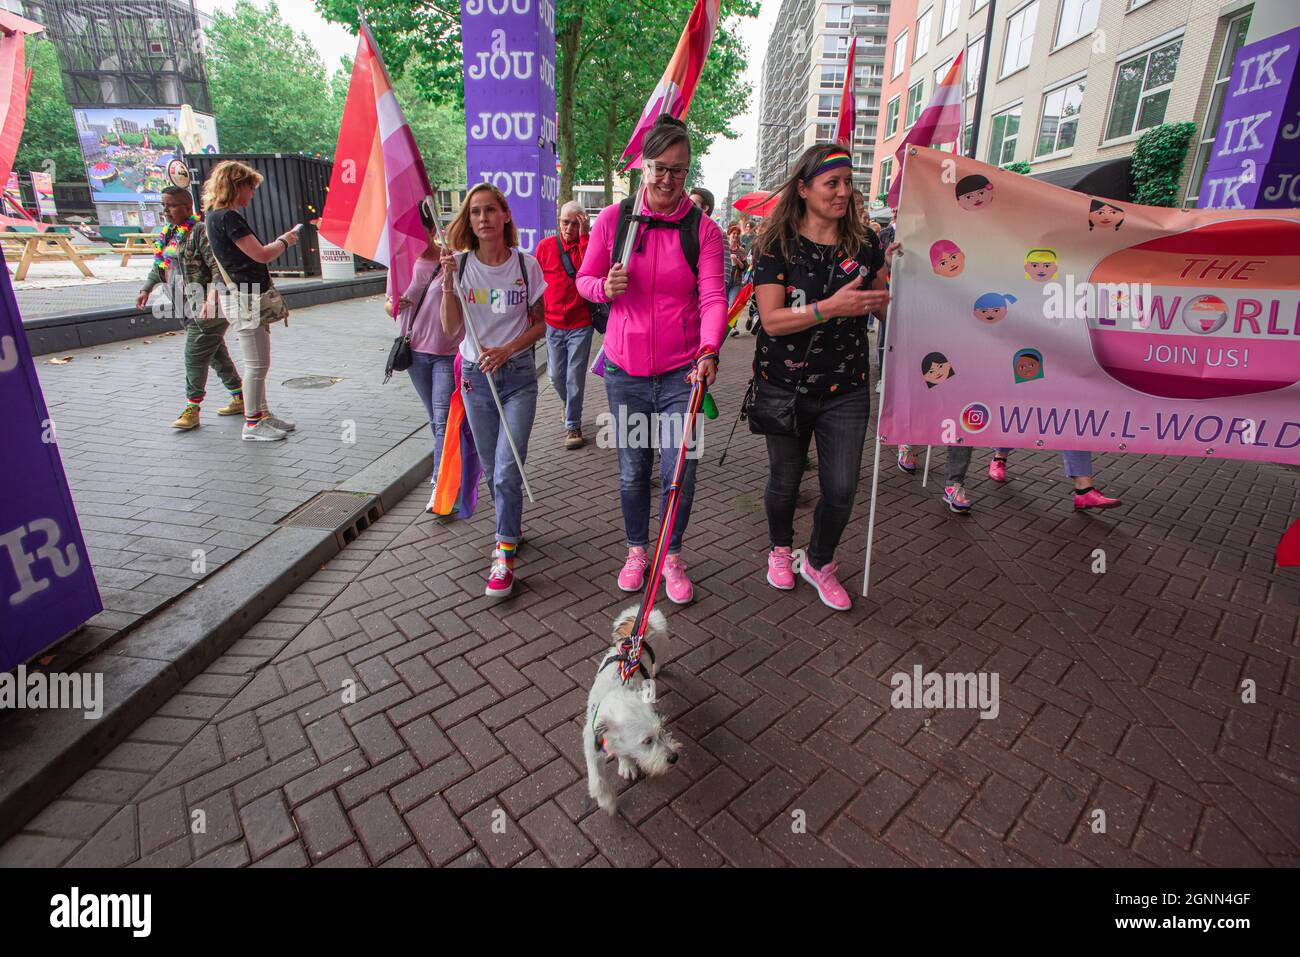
<point>825,132</point>
<point>1060,119</point>
<point>828,104</point>
<point>1142,86</point>
<point>915,102</point>
<point>1234,38</point>
<point>978,5</point>
<point>1020,39</point>
<point>832,77</point>
<point>1006,129</point>
<point>1078,19</point>
<point>923,24</point>
<point>839,16</point>
<point>974,54</point>
<point>891,117</point>
<point>951,13</point>
<point>886,174</point>
<point>965,139</point>
<point>835,48</point>
<point>900,54</point>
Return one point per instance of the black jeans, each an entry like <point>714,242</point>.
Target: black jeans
<point>840,424</point>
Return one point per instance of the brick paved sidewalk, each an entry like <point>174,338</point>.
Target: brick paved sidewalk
<point>1120,692</point>
<point>148,495</point>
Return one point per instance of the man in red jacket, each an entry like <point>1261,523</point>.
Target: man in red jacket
<point>568,319</point>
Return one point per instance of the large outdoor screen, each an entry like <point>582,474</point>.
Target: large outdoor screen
<point>127,150</point>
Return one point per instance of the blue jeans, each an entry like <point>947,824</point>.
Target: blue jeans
<point>660,401</point>
<point>434,378</point>
<point>840,424</point>
<point>567,352</point>
<point>516,383</point>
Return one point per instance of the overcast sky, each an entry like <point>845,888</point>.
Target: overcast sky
<point>333,41</point>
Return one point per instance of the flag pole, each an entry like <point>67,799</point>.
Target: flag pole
<point>875,467</point>
<point>474,341</point>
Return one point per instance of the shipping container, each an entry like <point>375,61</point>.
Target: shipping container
<point>293,191</point>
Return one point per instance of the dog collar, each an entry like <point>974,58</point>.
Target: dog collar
<point>622,656</point>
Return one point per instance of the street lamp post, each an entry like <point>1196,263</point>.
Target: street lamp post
<point>787,127</point>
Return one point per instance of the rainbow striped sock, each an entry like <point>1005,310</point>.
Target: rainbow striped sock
<point>507,551</point>
<point>253,419</point>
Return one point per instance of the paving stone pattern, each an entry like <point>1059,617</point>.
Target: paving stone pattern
<point>1119,692</point>
<point>149,496</point>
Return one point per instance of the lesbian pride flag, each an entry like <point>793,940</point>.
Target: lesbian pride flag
<point>939,122</point>
<point>378,183</point>
<point>675,89</point>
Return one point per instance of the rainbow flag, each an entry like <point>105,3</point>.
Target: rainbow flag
<point>738,307</point>
<point>939,122</point>
<point>675,89</point>
<point>379,182</point>
<point>15,81</point>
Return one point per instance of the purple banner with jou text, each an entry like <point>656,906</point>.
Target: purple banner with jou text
<point>1255,163</point>
<point>509,53</point>
<point>47,588</point>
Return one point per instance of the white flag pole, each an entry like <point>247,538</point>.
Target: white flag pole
<point>875,468</point>
<point>925,476</point>
<point>474,342</point>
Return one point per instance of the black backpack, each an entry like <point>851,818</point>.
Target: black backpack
<point>688,230</point>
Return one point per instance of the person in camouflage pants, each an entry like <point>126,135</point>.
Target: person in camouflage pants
<point>185,264</point>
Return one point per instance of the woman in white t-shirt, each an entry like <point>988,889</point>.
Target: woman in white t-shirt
<point>500,288</point>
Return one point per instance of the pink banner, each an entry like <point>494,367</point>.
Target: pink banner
<point>1030,316</point>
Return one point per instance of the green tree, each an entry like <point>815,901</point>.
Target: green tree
<point>270,90</point>
<point>49,142</point>
<point>610,55</point>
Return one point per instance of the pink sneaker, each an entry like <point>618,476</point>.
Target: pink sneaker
<point>998,470</point>
<point>501,579</point>
<point>676,583</point>
<point>957,499</point>
<point>632,577</point>
<point>906,460</point>
<point>780,574</point>
<point>828,587</point>
<point>1091,498</point>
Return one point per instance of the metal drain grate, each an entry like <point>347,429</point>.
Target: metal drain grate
<point>347,514</point>
<point>312,382</point>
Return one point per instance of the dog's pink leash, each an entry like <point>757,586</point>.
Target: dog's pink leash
<point>630,649</point>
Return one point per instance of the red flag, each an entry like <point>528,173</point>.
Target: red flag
<point>758,203</point>
<point>848,105</point>
<point>675,89</point>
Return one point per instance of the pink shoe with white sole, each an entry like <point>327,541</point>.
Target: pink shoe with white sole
<point>780,568</point>
<point>1091,498</point>
<point>828,587</point>
<point>632,577</point>
<point>676,584</point>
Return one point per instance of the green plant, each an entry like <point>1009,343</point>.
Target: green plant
<point>1019,166</point>
<point>1158,163</point>
<point>883,197</point>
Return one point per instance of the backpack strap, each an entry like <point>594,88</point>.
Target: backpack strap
<point>523,271</point>
<point>565,260</point>
<point>688,232</point>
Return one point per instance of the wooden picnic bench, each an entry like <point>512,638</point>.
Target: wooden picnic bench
<point>46,247</point>
<point>136,244</point>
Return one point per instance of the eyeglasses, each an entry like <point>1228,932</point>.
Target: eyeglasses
<point>657,171</point>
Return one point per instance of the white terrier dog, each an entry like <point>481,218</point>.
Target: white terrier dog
<point>621,719</point>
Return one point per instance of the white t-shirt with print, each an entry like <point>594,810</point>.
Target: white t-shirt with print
<point>493,299</point>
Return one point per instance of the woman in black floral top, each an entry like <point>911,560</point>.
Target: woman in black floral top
<point>818,273</point>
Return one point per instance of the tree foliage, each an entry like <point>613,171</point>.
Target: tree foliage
<point>49,142</point>
<point>610,56</point>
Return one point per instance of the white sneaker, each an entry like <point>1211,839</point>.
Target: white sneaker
<point>263,431</point>
<point>432,498</point>
<point>279,423</point>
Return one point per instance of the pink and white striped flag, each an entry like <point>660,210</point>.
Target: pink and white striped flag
<point>939,122</point>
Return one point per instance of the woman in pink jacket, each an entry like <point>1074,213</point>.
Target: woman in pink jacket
<point>668,316</point>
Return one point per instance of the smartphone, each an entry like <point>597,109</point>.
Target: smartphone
<point>298,228</point>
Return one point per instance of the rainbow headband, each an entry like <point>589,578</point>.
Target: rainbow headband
<point>832,161</point>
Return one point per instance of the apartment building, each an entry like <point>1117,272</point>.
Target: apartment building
<point>742,181</point>
<point>1071,84</point>
<point>803,76</point>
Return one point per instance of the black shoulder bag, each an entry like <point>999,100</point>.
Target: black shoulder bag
<point>399,356</point>
<point>770,408</point>
<point>599,310</point>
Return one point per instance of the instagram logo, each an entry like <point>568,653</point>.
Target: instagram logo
<point>975,417</point>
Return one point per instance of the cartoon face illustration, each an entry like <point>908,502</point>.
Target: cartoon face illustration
<point>1041,265</point>
<point>1104,215</point>
<point>1027,364</point>
<point>947,259</point>
<point>935,368</point>
<point>974,192</point>
<point>992,306</point>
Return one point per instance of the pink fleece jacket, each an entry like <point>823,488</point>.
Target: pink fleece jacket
<point>664,318</point>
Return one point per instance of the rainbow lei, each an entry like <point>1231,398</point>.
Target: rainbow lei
<point>165,256</point>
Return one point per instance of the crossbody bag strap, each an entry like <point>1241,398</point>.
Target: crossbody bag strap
<point>409,324</point>
<point>565,261</point>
